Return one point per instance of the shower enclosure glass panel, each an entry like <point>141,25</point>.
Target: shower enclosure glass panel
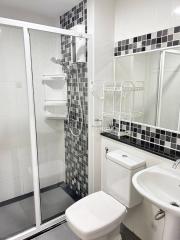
<point>16,184</point>
<point>50,93</point>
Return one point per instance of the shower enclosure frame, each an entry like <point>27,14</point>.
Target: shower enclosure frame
<point>26,26</point>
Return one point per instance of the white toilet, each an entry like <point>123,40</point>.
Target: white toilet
<point>98,216</point>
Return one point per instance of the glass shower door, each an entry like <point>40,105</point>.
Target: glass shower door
<point>50,96</point>
<point>16,177</point>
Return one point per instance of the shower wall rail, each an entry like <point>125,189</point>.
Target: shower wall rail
<point>26,27</point>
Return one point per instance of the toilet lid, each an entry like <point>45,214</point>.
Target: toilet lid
<point>95,215</point>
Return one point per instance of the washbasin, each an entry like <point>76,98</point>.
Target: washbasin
<point>160,184</point>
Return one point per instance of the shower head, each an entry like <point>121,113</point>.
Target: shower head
<point>57,61</point>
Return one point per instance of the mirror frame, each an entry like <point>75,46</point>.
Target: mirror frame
<point>160,77</point>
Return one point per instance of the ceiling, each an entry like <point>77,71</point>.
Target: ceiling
<point>45,8</point>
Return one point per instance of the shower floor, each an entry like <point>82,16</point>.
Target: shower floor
<point>61,232</point>
<point>18,215</point>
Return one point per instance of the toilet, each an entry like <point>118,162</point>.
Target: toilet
<point>98,216</point>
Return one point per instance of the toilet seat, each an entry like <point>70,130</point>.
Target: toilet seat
<point>95,215</point>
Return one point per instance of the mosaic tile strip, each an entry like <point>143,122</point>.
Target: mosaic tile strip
<point>156,40</point>
<point>76,148</point>
<point>164,142</point>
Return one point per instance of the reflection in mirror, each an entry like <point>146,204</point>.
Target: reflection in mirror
<point>170,99</point>
<point>143,71</point>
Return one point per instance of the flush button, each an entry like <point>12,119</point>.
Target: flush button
<point>124,156</point>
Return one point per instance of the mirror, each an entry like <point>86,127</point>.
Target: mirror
<point>156,77</point>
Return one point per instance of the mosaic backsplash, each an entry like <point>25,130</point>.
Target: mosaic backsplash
<point>164,142</point>
<point>76,148</point>
<point>156,40</point>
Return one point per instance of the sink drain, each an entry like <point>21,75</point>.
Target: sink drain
<point>174,204</point>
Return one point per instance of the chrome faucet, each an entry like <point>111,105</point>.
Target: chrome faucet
<point>176,163</point>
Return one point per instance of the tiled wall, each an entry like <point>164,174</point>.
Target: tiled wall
<point>76,148</point>
<point>166,143</point>
<point>156,40</point>
<point>77,15</point>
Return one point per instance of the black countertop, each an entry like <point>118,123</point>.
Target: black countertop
<point>146,146</point>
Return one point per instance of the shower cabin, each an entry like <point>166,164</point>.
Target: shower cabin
<point>35,70</point>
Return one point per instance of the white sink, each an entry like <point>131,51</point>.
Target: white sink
<point>161,185</point>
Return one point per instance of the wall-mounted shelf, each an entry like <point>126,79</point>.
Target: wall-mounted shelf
<point>123,90</point>
<point>126,86</point>
<point>50,115</point>
<point>120,89</point>
<point>54,103</point>
<point>123,115</point>
<point>50,78</point>
<point>55,93</point>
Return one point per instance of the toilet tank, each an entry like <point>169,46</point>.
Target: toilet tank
<point>118,169</point>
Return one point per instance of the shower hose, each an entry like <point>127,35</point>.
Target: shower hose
<point>77,132</point>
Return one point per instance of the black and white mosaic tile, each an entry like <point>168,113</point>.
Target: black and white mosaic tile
<point>76,148</point>
<point>77,15</point>
<point>162,142</point>
<point>151,41</point>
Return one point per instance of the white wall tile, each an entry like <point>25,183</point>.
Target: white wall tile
<point>137,17</point>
